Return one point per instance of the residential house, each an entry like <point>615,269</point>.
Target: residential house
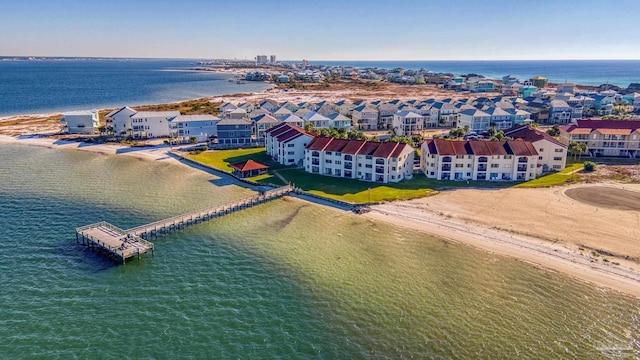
<point>605,137</point>
<point>294,120</point>
<point>151,124</point>
<point>81,122</point>
<point>233,133</point>
<point>552,153</point>
<point>261,124</point>
<point>202,127</point>
<point>477,120</point>
<point>480,85</point>
<point>364,118</point>
<point>385,115</point>
<point>225,108</point>
<point>286,143</point>
<point>327,108</point>
<point>120,120</point>
<point>281,113</point>
<point>317,121</point>
<point>269,105</point>
<point>236,113</point>
<point>444,114</point>
<point>344,107</point>
<point>500,118</point>
<point>559,112</point>
<point>565,88</point>
<point>407,123</point>
<point>479,160</point>
<point>339,121</point>
<point>359,159</point>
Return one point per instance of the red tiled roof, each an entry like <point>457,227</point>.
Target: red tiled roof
<point>353,147</point>
<point>527,133</point>
<point>399,149</point>
<point>319,143</point>
<point>481,147</point>
<point>336,145</point>
<point>609,124</point>
<point>385,150</point>
<point>369,148</point>
<point>249,165</point>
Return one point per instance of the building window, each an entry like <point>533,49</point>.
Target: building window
<point>328,161</point>
<point>541,150</point>
<point>494,166</point>
<point>558,150</point>
<point>291,145</point>
<point>557,158</point>
<point>329,153</point>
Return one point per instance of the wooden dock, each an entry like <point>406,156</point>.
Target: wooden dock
<point>125,244</point>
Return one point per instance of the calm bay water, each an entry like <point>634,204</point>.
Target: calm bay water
<point>288,279</point>
<point>583,72</point>
<point>30,87</point>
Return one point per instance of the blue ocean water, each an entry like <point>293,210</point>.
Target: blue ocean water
<point>583,72</point>
<point>31,87</point>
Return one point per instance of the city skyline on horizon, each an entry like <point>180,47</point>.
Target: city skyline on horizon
<point>463,30</point>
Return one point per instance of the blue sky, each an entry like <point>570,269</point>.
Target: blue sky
<point>323,30</point>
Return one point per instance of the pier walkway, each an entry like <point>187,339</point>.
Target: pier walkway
<point>124,244</point>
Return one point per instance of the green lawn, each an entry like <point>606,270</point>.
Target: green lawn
<point>356,191</point>
<point>221,159</point>
<point>559,178</point>
<point>363,192</point>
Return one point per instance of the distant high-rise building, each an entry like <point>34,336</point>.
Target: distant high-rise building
<point>272,59</point>
<point>261,59</point>
<point>305,62</point>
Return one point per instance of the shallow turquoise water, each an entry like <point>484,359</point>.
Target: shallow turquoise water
<point>285,280</point>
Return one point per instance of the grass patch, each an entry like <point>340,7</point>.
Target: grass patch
<point>349,190</point>
<point>222,159</point>
<point>356,191</point>
<point>558,178</point>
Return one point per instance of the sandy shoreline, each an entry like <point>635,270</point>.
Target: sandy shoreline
<point>429,216</point>
<point>455,216</point>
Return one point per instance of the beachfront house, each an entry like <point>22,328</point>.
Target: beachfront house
<point>407,123</point>
<point>151,124</point>
<point>201,127</point>
<point>479,160</point>
<point>120,120</point>
<point>364,117</point>
<point>605,137</point>
<point>81,122</point>
<point>359,159</point>
<point>286,143</point>
<point>234,133</point>
<point>552,153</point>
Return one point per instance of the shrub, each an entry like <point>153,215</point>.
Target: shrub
<point>589,166</point>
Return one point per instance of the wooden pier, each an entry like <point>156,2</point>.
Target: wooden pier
<point>125,244</point>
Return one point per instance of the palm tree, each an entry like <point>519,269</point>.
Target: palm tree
<point>582,147</point>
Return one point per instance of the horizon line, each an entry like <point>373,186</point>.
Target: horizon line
<point>300,60</point>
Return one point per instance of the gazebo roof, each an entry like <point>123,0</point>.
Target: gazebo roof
<point>249,165</point>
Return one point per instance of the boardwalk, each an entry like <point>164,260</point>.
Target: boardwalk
<point>124,244</point>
